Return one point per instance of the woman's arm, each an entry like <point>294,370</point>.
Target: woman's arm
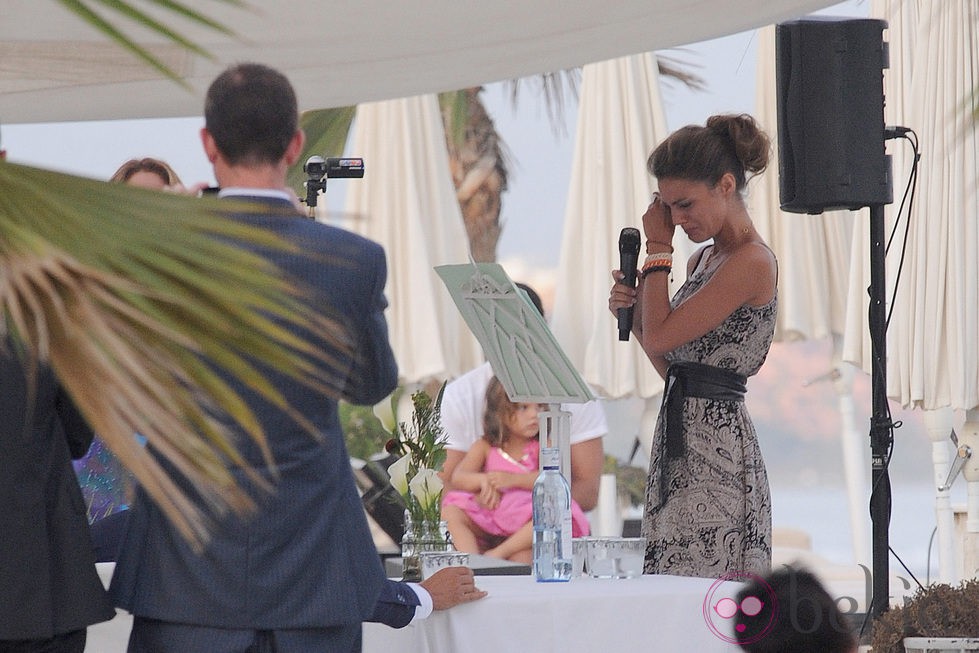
<point>746,275</point>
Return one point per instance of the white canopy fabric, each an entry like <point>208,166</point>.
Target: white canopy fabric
<point>407,204</point>
<point>54,67</point>
<point>933,337</point>
<point>620,121</point>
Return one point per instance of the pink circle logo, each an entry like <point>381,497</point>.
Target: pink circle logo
<point>721,606</point>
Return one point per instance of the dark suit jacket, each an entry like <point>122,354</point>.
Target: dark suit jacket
<point>306,559</point>
<point>396,605</point>
<point>48,582</point>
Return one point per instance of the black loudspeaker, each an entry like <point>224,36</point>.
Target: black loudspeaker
<point>830,95</point>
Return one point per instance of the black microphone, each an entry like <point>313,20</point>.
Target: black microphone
<point>629,243</point>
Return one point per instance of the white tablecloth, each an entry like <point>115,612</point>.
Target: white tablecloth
<point>651,613</point>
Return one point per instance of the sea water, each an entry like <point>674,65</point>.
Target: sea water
<point>823,512</point>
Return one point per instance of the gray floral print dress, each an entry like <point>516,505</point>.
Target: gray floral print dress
<point>708,512</point>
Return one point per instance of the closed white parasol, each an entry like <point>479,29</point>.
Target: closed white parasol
<point>620,121</point>
<point>407,203</point>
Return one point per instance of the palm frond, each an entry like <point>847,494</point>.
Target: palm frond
<point>556,86</point>
<point>675,69</point>
<point>553,87</point>
<point>86,10</point>
<point>455,115</point>
<point>127,315</point>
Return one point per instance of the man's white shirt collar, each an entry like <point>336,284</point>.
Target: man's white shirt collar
<point>254,192</point>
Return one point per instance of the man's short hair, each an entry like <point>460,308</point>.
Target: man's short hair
<point>251,112</point>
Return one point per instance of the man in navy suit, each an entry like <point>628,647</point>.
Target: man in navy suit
<point>302,573</point>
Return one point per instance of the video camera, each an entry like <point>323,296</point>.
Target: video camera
<point>318,170</point>
<point>334,167</point>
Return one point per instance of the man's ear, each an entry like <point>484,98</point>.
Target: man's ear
<point>210,147</point>
<point>295,148</point>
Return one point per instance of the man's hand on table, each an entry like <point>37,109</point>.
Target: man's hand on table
<point>452,586</point>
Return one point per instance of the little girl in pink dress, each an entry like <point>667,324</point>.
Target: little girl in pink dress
<point>491,510</point>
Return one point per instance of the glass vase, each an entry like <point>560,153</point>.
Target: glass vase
<point>420,537</point>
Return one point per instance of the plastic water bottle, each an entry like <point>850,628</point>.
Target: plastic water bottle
<point>552,521</point>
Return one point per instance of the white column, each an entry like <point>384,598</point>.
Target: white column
<point>938,426</point>
<point>606,518</point>
<point>555,432</point>
<point>969,437</point>
<point>856,465</point>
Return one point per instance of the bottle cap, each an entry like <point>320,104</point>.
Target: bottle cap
<point>550,458</point>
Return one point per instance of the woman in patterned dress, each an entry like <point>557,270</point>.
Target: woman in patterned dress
<point>708,507</point>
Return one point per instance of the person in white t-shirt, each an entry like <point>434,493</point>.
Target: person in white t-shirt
<point>463,405</point>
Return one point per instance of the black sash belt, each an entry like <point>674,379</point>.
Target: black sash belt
<point>687,379</point>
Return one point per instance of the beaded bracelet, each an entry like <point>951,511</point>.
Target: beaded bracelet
<point>662,258</point>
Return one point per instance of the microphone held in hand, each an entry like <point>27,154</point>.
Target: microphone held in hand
<point>630,240</point>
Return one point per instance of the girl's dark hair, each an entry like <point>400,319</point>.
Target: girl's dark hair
<point>728,143</point>
<point>499,410</point>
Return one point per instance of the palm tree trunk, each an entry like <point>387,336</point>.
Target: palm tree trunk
<point>479,173</point>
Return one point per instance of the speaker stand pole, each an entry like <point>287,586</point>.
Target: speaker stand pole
<point>880,424</point>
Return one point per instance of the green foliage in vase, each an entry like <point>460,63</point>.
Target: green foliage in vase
<point>421,445</point>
